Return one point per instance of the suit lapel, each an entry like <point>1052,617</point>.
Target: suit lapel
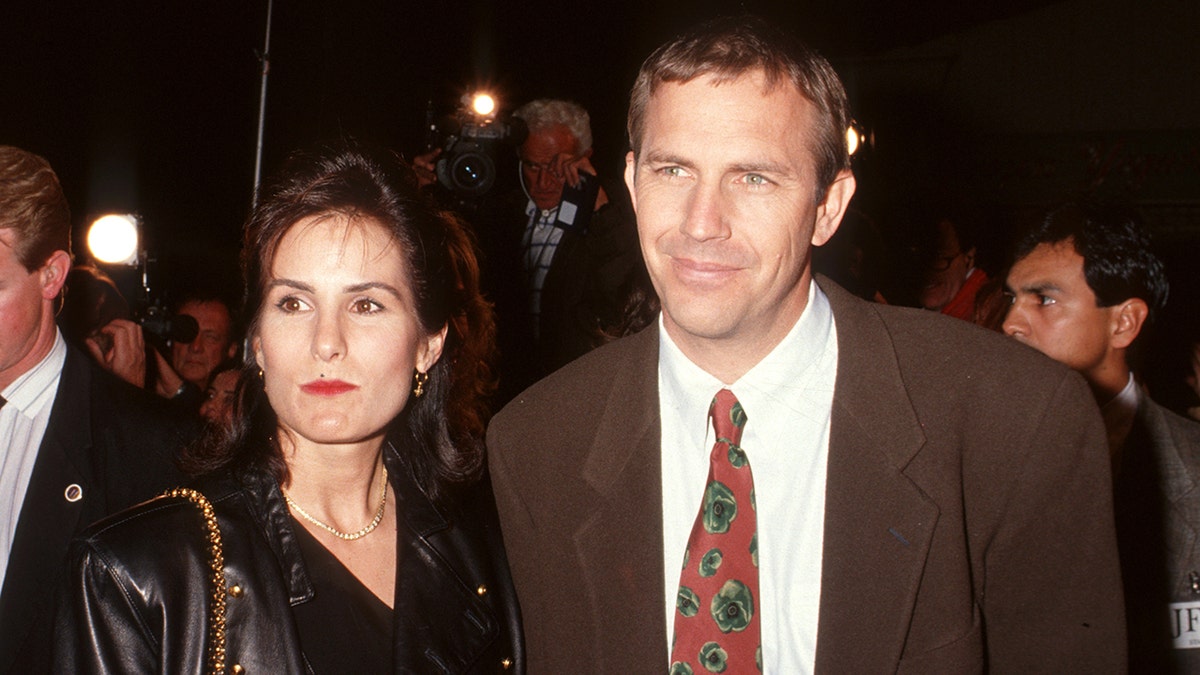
<point>48,520</point>
<point>1178,485</point>
<point>623,565</point>
<point>878,522</point>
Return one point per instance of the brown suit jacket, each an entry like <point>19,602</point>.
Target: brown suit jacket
<point>968,522</point>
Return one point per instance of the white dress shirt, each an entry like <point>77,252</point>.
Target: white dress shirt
<point>788,398</point>
<point>23,422</point>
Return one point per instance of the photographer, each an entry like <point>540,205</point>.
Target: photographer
<point>559,254</point>
<point>120,347</point>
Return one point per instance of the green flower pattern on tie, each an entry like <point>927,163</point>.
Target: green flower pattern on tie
<point>733,606</point>
<point>715,626</point>
<point>710,563</point>
<point>713,658</point>
<point>687,601</point>
<point>720,508</point>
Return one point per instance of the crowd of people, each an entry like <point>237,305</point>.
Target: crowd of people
<point>546,436</point>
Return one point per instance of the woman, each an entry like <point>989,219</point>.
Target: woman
<point>357,531</point>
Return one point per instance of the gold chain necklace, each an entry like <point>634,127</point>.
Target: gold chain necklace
<point>348,536</point>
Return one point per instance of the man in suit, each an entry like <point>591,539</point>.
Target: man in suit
<point>556,267</point>
<point>77,443</point>
<point>925,495</point>
<point>1084,284</point>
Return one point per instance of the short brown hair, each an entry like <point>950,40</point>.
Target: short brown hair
<point>33,206</point>
<point>730,47</point>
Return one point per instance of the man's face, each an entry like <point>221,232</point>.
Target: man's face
<point>947,272</point>
<point>26,311</point>
<point>195,360</point>
<point>1054,310</point>
<point>543,176</point>
<point>725,191</point>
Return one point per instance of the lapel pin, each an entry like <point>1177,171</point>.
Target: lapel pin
<point>1194,578</point>
<point>73,493</point>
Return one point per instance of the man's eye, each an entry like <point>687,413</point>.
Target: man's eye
<point>1045,300</point>
<point>756,179</point>
<point>672,171</point>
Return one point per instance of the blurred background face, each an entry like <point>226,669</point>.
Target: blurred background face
<point>218,399</point>
<point>947,271</point>
<point>538,153</point>
<point>338,336</point>
<point>196,360</point>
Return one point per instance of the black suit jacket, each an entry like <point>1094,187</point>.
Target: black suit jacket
<point>111,444</point>
<point>590,275</point>
<point>968,511</point>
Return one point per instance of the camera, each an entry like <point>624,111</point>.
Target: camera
<point>158,322</point>
<point>474,137</point>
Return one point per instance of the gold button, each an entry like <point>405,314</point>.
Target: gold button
<point>236,591</point>
<point>506,664</point>
<point>237,669</point>
<point>481,591</point>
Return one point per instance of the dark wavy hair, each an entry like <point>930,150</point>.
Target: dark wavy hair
<point>729,47</point>
<point>1118,261</point>
<point>446,425</point>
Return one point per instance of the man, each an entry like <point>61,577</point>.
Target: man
<point>193,363</point>
<point>76,443</point>
<point>557,267</point>
<point>951,279</point>
<point>120,348</point>
<point>917,510</point>
<point>1084,284</point>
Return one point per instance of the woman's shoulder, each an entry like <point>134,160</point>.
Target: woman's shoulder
<point>164,530</point>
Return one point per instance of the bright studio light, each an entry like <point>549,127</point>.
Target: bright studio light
<point>113,239</point>
<point>483,104</point>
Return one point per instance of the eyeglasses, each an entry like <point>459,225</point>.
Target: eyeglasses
<point>942,263</point>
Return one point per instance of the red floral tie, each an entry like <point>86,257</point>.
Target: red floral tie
<point>717,628</point>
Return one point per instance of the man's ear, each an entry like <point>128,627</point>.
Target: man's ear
<point>831,211</point>
<point>970,257</point>
<point>1127,320</point>
<point>53,274</point>
<point>630,167</point>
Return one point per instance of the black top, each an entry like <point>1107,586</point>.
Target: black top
<point>346,628</point>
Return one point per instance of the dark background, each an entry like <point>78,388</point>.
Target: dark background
<point>151,106</point>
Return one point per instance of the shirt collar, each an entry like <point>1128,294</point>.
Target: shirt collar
<point>787,363</point>
<point>1119,413</point>
<point>36,386</point>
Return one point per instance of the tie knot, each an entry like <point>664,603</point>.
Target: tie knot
<point>728,417</point>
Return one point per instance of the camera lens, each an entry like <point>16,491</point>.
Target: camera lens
<point>469,172</point>
<point>472,173</point>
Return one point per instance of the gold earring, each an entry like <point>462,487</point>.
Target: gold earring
<point>420,379</point>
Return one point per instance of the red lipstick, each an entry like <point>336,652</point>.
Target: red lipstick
<point>327,387</point>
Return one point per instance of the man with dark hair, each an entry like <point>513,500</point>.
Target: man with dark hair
<point>1084,285</point>
<point>911,506</point>
<point>75,443</point>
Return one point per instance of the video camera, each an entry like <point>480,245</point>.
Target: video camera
<point>473,137</point>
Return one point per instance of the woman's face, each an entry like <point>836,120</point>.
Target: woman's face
<point>338,336</point>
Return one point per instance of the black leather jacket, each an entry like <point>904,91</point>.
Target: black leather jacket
<point>140,582</point>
